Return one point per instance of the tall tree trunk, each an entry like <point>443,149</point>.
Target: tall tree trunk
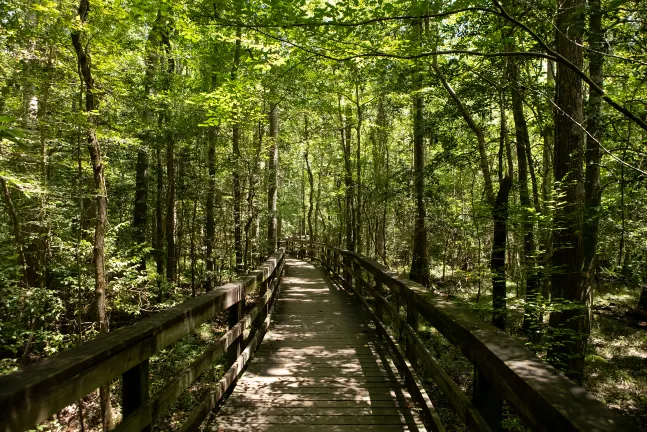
<point>569,321</point>
<point>358,157</point>
<point>272,190</point>
<point>94,148</point>
<point>140,212</point>
<point>170,169</point>
<point>170,208</point>
<point>159,223</point>
<point>210,228</point>
<point>593,156</point>
<point>348,183</point>
<point>311,183</point>
<point>420,262</point>
<point>530,320</point>
<point>192,248</point>
<point>235,151</point>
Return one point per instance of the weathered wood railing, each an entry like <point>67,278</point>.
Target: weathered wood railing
<point>32,395</point>
<point>504,369</point>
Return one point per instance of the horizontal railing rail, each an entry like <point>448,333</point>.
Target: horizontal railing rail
<point>504,369</point>
<point>33,394</point>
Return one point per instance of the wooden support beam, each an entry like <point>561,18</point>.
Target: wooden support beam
<point>135,388</point>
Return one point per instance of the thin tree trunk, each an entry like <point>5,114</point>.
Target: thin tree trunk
<point>499,211</point>
<point>17,231</point>
<point>497,264</point>
<point>272,190</point>
<point>480,137</point>
<point>140,212</point>
<point>170,209</point>
<point>592,190</point>
<point>210,225</point>
<point>358,157</point>
<point>348,183</point>
<point>170,170</point>
<point>91,105</point>
<point>310,182</point>
<point>238,245</point>
<point>159,224</point>
<point>530,320</point>
<point>192,250</point>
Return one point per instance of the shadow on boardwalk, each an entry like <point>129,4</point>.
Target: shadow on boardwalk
<point>321,367</point>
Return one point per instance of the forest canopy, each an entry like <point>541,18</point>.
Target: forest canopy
<point>493,151</point>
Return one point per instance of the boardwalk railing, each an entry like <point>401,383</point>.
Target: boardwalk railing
<point>34,394</point>
<point>504,369</point>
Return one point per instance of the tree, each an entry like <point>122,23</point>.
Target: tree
<point>94,147</point>
<point>569,322</point>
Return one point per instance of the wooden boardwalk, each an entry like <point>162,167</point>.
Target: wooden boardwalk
<point>320,367</point>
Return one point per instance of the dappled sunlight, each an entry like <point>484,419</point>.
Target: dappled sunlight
<point>320,366</point>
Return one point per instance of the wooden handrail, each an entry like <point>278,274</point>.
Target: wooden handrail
<point>504,369</point>
<point>33,394</point>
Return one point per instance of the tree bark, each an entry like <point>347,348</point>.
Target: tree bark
<point>170,170</point>
<point>420,262</point>
<point>17,232</point>
<point>569,324</point>
<point>159,223</point>
<point>358,157</point>
<point>140,212</point>
<point>348,180</point>
<point>210,228</point>
<point>311,194</point>
<point>235,175</point>
<point>94,148</point>
<point>497,263</point>
<point>593,156</point>
<point>170,208</point>
<point>530,320</point>
<point>272,190</point>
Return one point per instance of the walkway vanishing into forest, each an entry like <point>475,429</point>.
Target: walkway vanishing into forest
<point>332,347</point>
<point>320,367</point>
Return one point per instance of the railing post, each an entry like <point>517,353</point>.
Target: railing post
<point>346,274</point>
<point>487,400</point>
<point>264,286</point>
<point>233,316</point>
<point>358,278</point>
<point>412,320</point>
<point>379,307</point>
<point>135,383</point>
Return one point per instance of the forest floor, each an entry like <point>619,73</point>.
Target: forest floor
<point>616,359</point>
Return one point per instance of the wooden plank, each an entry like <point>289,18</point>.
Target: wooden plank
<point>413,383</point>
<point>32,394</point>
<point>312,420</point>
<point>543,397</point>
<point>135,391</point>
<point>264,427</point>
<point>172,390</point>
<point>302,376</point>
<point>238,411</point>
<point>466,411</point>
<point>240,401</point>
